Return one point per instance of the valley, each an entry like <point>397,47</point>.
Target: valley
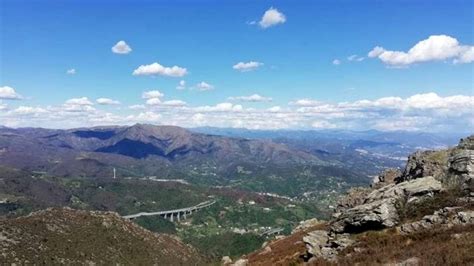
<point>257,186</point>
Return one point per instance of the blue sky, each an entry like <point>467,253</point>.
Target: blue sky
<point>296,52</point>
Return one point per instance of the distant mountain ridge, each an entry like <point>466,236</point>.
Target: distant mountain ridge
<point>142,150</point>
<point>300,160</point>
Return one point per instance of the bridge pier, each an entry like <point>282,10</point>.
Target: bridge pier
<point>172,220</point>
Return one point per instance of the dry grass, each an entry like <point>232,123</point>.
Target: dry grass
<point>454,246</point>
<point>416,210</point>
<point>285,251</point>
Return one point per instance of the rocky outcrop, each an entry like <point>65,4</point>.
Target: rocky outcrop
<point>425,163</point>
<point>446,217</point>
<point>461,163</point>
<point>388,176</point>
<point>304,225</point>
<point>379,209</point>
<point>426,174</point>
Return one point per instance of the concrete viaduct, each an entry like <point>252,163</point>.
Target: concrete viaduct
<point>171,214</point>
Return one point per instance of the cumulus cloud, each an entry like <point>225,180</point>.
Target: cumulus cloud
<point>221,107</point>
<point>121,47</point>
<point>435,48</point>
<point>175,103</point>
<point>71,71</point>
<point>152,94</point>
<point>79,101</point>
<point>181,85</point>
<point>82,104</point>
<point>336,62</point>
<point>8,93</point>
<point>247,66</point>
<point>156,69</point>
<point>272,17</point>
<point>137,107</point>
<point>153,101</point>
<point>426,111</point>
<point>305,102</point>
<point>274,109</point>
<point>28,110</point>
<point>251,98</point>
<point>204,86</point>
<point>107,101</point>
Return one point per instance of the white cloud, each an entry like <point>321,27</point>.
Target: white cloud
<point>435,48</point>
<point>322,124</point>
<point>153,101</point>
<point>79,101</point>
<point>248,66</point>
<point>274,109</point>
<point>150,117</point>
<point>204,86</point>
<point>181,85</point>
<point>176,103</point>
<point>28,110</point>
<point>305,102</point>
<point>355,57</point>
<point>107,101</point>
<point>426,111</point>
<point>137,107</point>
<point>221,107</point>
<point>8,93</point>
<point>251,98</point>
<point>157,69</point>
<point>466,56</point>
<point>272,17</point>
<point>121,47</point>
<point>71,71</point>
<point>336,62</point>
<point>152,94</point>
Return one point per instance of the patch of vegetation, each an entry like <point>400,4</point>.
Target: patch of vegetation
<point>156,224</point>
<point>454,246</point>
<point>412,211</point>
<point>226,244</point>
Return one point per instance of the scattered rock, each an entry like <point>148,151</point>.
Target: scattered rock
<point>306,224</point>
<point>241,262</point>
<point>315,241</point>
<point>226,260</point>
<point>447,217</point>
<point>388,176</point>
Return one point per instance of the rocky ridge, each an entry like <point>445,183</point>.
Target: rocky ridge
<point>427,174</point>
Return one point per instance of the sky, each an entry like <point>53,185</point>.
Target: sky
<point>358,65</point>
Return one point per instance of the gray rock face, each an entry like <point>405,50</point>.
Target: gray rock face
<point>315,241</point>
<point>445,217</point>
<point>379,210</point>
<point>461,163</point>
<point>425,163</point>
<point>388,176</point>
<point>426,174</point>
<point>320,244</point>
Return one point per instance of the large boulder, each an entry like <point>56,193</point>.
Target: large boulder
<point>461,163</point>
<point>425,163</point>
<point>371,216</point>
<point>379,208</point>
